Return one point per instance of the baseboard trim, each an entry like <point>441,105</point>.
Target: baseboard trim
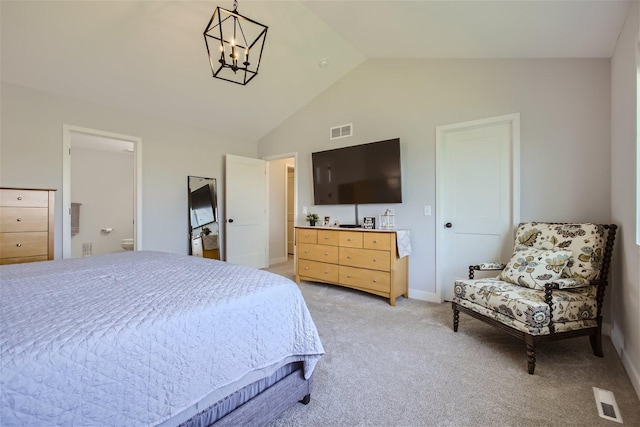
<point>634,374</point>
<point>424,296</point>
<point>278,260</point>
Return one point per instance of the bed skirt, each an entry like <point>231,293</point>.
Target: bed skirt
<point>258,403</point>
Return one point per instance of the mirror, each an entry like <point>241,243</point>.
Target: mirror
<point>203,217</point>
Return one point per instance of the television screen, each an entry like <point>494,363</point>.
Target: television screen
<point>360,174</point>
<point>201,207</point>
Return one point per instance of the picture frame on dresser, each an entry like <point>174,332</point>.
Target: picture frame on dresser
<point>369,223</point>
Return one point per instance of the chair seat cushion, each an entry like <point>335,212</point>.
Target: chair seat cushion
<point>508,302</point>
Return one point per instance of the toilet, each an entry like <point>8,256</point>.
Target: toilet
<point>127,244</point>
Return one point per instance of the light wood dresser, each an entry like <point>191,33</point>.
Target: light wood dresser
<point>26,225</point>
<point>361,259</point>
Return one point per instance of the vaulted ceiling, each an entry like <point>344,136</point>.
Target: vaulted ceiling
<point>149,57</point>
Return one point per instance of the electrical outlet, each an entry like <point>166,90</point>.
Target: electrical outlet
<point>427,210</point>
<point>305,210</point>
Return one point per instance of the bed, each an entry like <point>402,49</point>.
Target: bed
<point>151,339</point>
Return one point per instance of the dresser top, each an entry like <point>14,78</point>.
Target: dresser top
<point>349,229</point>
<point>30,189</point>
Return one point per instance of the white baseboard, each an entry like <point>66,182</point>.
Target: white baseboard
<point>632,370</point>
<point>280,260</point>
<point>424,296</point>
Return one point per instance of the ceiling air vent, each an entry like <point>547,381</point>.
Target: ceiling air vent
<point>342,131</point>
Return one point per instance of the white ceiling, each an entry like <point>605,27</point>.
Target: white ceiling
<point>149,56</point>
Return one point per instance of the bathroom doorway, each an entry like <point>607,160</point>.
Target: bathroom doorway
<point>100,197</point>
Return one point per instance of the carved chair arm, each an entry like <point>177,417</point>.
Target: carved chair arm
<point>485,266</point>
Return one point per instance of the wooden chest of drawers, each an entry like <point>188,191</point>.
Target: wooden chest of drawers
<point>366,260</point>
<point>26,225</point>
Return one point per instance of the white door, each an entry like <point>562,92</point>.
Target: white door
<point>477,195</point>
<point>246,211</point>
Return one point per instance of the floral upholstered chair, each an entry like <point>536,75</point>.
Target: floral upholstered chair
<point>552,287</point>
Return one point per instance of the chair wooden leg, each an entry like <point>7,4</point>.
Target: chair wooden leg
<point>531,353</point>
<point>596,343</point>
<point>456,316</point>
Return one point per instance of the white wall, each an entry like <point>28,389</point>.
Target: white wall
<point>625,286</point>
<point>103,183</point>
<point>31,156</point>
<point>565,134</point>
<point>278,210</point>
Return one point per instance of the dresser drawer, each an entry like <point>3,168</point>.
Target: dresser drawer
<point>23,219</point>
<point>381,241</point>
<point>6,261</point>
<point>365,258</point>
<point>350,239</point>
<point>365,279</point>
<point>29,198</point>
<point>14,245</point>
<point>305,235</point>
<point>318,270</point>
<point>328,237</point>
<point>322,253</point>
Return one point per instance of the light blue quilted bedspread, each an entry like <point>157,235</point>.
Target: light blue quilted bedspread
<point>132,339</point>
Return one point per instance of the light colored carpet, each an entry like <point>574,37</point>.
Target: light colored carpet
<point>404,366</point>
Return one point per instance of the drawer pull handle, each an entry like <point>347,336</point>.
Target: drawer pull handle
<point>306,268</point>
<point>19,244</point>
<point>348,276</point>
<point>19,197</point>
<point>19,219</point>
<point>326,272</point>
<point>348,256</point>
<point>375,260</point>
<point>306,252</point>
<point>326,237</point>
<point>349,239</point>
<point>375,241</point>
<point>326,254</point>
<point>375,280</point>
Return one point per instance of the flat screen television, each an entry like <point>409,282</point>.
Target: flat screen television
<point>201,207</point>
<point>360,174</point>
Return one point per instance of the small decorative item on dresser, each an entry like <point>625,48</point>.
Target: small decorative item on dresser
<point>327,221</point>
<point>312,218</point>
<point>369,223</point>
<point>387,220</point>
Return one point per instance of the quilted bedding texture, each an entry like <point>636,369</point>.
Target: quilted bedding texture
<point>132,339</point>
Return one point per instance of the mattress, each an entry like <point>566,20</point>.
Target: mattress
<point>141,338</point>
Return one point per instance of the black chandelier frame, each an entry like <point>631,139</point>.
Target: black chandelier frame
<point>226,63</point>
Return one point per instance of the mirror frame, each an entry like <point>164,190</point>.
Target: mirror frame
<point>212,183</point>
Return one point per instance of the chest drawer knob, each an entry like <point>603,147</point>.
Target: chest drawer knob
<point>348,256</point>
<point>349,239</point>
<point>326,254</point>
<point>19,197</point>
<point>375,280</point>
<point>375,241</point>
<point>19,219</point>
<point>348,276</point>
<point>326,237</point>
<point>19,245</point>
<point>306,268</point>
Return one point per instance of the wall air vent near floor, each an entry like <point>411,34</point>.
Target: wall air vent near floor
<point>341,131</point>
<point>607,406</point>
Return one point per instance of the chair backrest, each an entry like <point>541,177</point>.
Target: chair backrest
<point>589,243</point>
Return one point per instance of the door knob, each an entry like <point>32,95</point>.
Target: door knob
<point>230,219</point>
<point>448,225</point>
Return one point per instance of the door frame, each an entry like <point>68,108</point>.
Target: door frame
<point>282,156</point>
<point>514,121</point>
<point>66,183</point>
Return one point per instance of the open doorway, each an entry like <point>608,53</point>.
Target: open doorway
<point>282,206</point>
<point>101,177</point>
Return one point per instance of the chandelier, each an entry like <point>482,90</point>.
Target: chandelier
<point>234,45</point>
